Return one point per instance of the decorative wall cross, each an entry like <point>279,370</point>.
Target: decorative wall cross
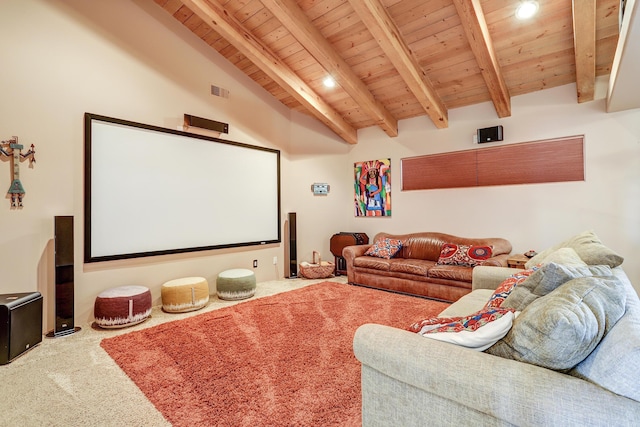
<point>11,148</point>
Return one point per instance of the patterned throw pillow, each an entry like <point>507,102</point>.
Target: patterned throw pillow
<point>478,331</point>
<point>465,255</point>
<point>502,292</point>
<point>385,248</point>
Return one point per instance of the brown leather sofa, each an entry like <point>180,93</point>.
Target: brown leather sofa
<point>414,270</point>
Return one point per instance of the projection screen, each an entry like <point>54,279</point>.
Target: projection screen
<point>153,191</point>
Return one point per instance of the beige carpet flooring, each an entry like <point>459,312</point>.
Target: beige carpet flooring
<point>72,381</point>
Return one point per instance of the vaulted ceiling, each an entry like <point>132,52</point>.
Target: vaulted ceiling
<point>396,59</point>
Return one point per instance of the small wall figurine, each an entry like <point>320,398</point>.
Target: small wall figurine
<point>11,148</point>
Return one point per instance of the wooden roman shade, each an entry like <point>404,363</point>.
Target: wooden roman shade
<point>553,160</point>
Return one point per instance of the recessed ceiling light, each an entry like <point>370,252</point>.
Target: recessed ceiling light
<point>526,9</point>
<point>329,82</point>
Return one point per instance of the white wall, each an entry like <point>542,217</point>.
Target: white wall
<point>533,216</point>
<point>61,59</point>
<point>130,60</point>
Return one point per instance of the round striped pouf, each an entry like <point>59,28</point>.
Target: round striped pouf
<point>236,284</point>
<point>185,294</point>
<point>123,306</point>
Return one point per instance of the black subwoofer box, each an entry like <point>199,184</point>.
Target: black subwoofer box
<point>20,324</point>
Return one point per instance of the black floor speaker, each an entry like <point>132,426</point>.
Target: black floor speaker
<point>20,324</point>
<point>292,264</point>
<point>64,277</point>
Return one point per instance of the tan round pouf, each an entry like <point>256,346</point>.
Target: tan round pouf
<point>185,294</point>
<point>123,306</point>
<point>236,284</point>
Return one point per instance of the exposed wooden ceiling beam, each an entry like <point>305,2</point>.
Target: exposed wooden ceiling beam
<point>385,31</point>
<point>301,27</point>
<point>584,43</point>
<point>214,14</point>
<point>475,27</point>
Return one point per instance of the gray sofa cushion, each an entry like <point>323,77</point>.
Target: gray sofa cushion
<point>561,329</point>
<point>546,279</point>
<point>588,246</point>
<point>614,362</point>
<point>566,256</point>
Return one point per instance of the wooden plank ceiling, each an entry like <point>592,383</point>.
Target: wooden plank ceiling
<point>396,59</point>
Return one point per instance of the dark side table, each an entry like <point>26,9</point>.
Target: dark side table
<point>341,240</point>
<point>517,261</point>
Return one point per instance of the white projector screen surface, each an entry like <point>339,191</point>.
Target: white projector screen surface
<point>152,191</point>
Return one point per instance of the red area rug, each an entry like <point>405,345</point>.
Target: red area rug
<point>283,360</point>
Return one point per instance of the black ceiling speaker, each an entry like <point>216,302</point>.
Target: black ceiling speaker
<point>491,134</point>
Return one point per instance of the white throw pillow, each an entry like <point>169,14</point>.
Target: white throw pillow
<point>480,339</point>
<point>477,331</point>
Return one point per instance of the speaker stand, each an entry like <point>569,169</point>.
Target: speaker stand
<point>54,334</point>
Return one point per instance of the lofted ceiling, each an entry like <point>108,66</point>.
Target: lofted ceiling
<point>397,59</point>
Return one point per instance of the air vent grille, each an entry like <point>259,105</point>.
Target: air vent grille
<point>218,91</point>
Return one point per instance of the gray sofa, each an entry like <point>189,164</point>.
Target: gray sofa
<point>410,380</point>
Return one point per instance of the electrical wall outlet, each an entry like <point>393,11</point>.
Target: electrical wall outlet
<point>255,263</point>
<point>275,260</point>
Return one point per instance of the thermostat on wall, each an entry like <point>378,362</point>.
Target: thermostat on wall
<point>320,189</point>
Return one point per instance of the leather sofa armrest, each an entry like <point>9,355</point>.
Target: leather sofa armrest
<point>497,261</point>
<point>350,253</point>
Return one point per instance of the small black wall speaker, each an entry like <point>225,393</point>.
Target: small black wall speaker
<point>199,122</point>
<point>292,270</point>
<point>490,134</point>
<point>64,278</point>
<point>20,324</point>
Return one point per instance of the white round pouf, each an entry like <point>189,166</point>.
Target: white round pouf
<point>236,284</point>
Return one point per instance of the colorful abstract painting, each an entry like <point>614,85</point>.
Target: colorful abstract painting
<point>373,188</point>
